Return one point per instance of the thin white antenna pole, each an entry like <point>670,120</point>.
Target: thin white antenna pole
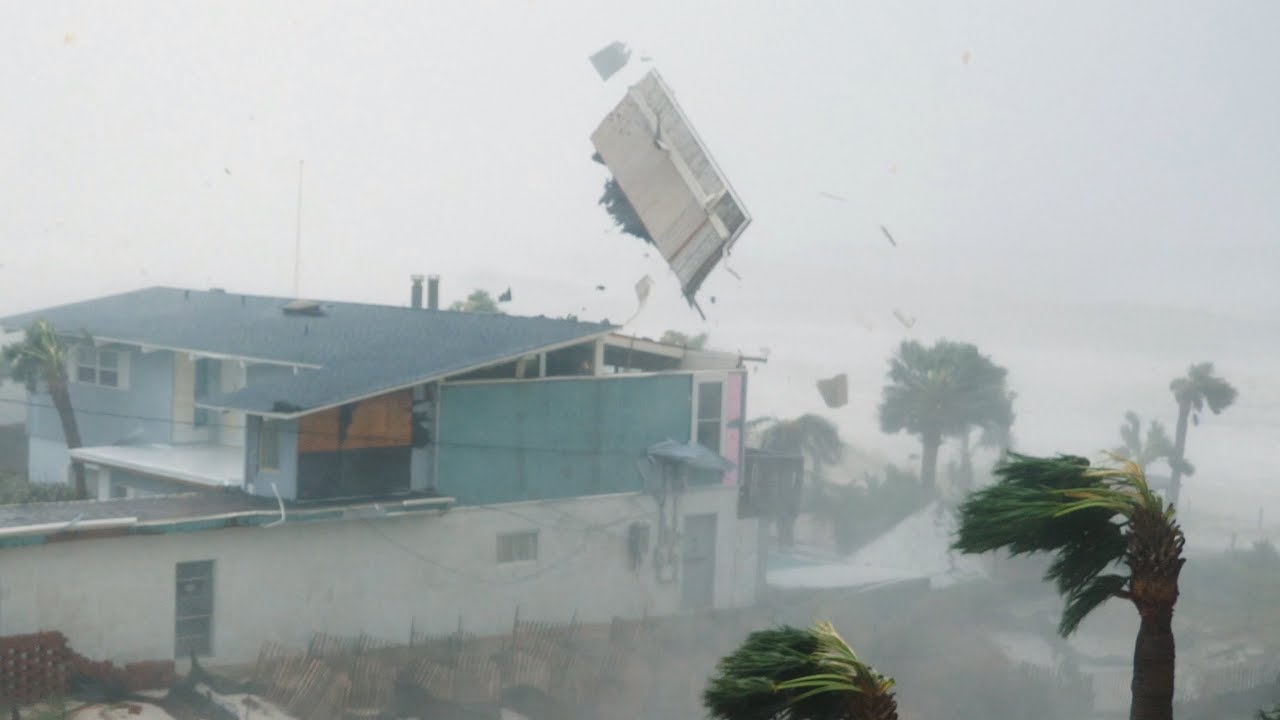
<point>297,243</point>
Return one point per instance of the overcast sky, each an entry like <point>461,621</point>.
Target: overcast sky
<point>1088,191</point>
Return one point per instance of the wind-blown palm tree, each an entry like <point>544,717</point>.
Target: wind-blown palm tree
<point>943,391</point>
<point>1200,387</point>
<point>1097,521</point>
<point>794,674</point>
<point>41,357</point>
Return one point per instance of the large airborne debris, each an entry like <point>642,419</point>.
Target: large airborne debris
<point>669,182</point>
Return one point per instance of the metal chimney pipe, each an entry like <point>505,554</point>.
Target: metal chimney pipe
<point>415,294</point>
<point>433,292</point>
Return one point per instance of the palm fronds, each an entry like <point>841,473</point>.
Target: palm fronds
<point>798,674</point>
<point>1064,506</point>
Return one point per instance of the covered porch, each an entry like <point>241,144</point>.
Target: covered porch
<point>118,471</point>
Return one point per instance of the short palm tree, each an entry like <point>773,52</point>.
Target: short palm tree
<point>815,438</point>
<point>1157,445</point>
<point>1200,387</point>
<point>789,673</point>
<point>1110,535</point>
<point>41,357</point>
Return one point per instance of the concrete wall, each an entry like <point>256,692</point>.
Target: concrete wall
<point>114,598</point>
<point>142,411</point>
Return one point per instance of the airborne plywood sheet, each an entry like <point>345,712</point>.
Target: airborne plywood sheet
<point>662,166</point>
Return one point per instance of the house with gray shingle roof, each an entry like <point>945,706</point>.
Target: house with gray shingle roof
<point>265,468</point>
<point>317,400</point>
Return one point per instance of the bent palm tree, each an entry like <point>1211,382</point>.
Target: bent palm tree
<point>41,356</point>
<point>1092,519</point>
<point>794,674</point>
<point>1200,387</point>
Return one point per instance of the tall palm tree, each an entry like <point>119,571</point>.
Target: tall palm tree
<point>794,674</point>
<point>1198,388</point>
<point>943,391</point>
<point>41,357</point>
<point>1097,521</point>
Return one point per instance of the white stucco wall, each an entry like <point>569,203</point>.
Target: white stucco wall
<point>114,598</point>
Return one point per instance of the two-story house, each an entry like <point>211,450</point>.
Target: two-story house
<point>266,468</point>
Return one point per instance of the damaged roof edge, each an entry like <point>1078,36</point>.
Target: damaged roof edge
<point>276,415</point>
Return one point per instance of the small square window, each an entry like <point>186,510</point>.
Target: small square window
<point>518,547</point>
<point>94,366</point>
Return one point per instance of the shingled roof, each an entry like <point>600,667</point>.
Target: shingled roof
<point>343,350</point>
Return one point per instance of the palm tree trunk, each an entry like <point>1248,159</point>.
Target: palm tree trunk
<point>1153,667</point>
<point>61,397</point>
<point>929,460</point>
<point>1155,561</point>
<point>966,461</point>
<point>1179,452</point>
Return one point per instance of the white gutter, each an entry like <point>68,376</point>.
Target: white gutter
<point>70,526</point>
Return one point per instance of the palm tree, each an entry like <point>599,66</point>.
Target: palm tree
<point>684,340</point>
<point>794,674</point>
<point>943,391</point>
<point>1200,387</point>
<point>815,438</point>
<point>41,357</point>
<point>1093,520</point>
<point>1155,447</point>
<point>479,301</point>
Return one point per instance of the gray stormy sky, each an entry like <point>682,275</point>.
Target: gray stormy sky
<point>1092,198</point>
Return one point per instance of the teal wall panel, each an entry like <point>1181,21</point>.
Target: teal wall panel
<point>510,441</point>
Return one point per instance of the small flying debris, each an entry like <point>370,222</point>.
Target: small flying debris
<point>713,297</point>
<point>907,321</point>
<point>600,288</point>
<point>68,38</point>
<point>832,196</point>
<point>643,286</point>
<point>835,391</point>
<point>506,296</point>
<point>226,170</point>
<point>645,58</point>
<point>966,57</point>
<point>610,59</point>
<point>885,230</point>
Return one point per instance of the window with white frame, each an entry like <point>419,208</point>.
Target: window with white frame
<point>518,547</point>
<point>100,366</point>
<point>710,414</point>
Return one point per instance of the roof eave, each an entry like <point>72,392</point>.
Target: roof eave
<point>417,381</point>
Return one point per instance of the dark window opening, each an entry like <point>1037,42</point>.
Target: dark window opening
<point>710,407</point>
<point>193,615</point>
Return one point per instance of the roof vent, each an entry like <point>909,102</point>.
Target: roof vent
<point>303,307</point>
